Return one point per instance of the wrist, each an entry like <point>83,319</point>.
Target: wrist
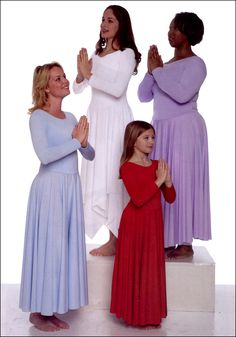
<point>79,78</point>
<point>159,183</point>
<point>84,145</point>
<point>87,76</point>
<point>168,183</point>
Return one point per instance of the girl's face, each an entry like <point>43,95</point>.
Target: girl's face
<point>58,85</point>
<point>145,142</point>
<point>175,37</point>
<point>109,25</point>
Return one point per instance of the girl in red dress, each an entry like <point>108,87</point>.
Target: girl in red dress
<point>139,281</point>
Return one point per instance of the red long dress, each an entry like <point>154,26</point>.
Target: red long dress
<point>139,282</point>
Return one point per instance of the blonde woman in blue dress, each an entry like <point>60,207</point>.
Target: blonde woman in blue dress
<point>54,272</point>
<point>108,73</point>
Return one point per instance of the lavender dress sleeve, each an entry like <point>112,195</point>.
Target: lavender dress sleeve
<point>182,88</point>
<point>145,92</point>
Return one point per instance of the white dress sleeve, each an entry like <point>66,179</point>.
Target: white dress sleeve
<point>79,87</point>
<point>113,72</point>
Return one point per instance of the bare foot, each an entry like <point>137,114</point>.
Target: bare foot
<point>108,249</point>
<point>169,249</point>
<point>180,252</point>
<point>42,323</point>
<point>58,322</point>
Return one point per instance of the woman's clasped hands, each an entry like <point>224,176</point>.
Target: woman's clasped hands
<point>80,131</point>
<point>84,65</point>
<point>154,59</point>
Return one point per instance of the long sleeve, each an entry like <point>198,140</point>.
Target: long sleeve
<point>87,152</point>
<point>46,153</point>
<point>169,193</point>
<point>138,193</point>
<point>145,93</point>
<point>79,87</point>
<point>113,78</point>
<point>186,85</point>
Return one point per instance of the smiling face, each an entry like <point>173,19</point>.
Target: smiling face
<point>109,25</point>
<point>58,85</point>
<point>145,142</point>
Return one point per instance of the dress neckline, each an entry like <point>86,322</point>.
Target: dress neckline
<point>130,162</point>
<point>47,113</point>
<point>115,51</point>
<point>185,58</point>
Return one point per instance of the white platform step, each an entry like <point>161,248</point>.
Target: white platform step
<point>190,282</point>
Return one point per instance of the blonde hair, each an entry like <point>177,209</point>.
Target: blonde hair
<point>40,82</point>
<point>132,132</point>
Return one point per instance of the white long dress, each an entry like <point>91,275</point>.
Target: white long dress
<point>104,194</point>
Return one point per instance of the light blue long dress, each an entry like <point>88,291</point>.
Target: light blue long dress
<point>54,269</point>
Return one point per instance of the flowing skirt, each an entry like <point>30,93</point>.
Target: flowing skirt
<point>104,194</point>
<point>182,142</point>
<point>54,272</point>
<point>139,280</point>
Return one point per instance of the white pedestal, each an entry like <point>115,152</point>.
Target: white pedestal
<point>190,282</point>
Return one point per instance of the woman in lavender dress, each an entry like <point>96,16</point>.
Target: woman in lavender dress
<point>54,272</point>
<point>182,135</point>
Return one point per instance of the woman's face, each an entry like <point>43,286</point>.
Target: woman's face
<point>58,85</point>
<point>145,142</point>
<point>109,25</point>
<point>175,37</point>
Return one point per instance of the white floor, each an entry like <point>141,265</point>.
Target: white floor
<point>89,321</point>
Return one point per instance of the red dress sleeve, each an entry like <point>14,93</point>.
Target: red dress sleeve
<point>139,193</point>
<point>168,193</point>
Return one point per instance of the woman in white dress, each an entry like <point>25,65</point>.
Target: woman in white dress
<point>108,73</point>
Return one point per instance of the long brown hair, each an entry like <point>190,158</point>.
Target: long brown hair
<point>132,132</point>
<point>40,82</point>
<point>124,35</point>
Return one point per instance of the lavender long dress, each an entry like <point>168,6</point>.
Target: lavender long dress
<point>181,140</point>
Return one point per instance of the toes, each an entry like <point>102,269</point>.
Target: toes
<point>59,323</point>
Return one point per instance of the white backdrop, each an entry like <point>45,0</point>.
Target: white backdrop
<point>38,32</point>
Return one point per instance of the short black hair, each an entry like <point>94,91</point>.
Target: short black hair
<point>190,25</point>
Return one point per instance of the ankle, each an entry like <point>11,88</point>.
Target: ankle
<point>112,237</point>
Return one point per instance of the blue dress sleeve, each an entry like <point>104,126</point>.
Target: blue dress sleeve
<point>87,152</point>
<point>46,153</point>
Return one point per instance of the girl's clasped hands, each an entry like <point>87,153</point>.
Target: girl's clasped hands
<point>163,174</point>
